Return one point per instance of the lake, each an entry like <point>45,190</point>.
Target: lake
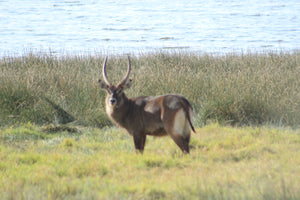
<point>136,26</point>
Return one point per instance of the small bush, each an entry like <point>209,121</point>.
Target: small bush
<point>69,142</point>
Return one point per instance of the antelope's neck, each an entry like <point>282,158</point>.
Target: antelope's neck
<point>119,114</point>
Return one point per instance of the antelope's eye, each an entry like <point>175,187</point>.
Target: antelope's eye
<point>118,91</point>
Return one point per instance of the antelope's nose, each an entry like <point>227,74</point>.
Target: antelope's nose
<point>113,100</point>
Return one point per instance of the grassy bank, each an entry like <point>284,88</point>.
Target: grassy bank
<point>238,89</point>
<point>50,148</point>
<point>48,162</point>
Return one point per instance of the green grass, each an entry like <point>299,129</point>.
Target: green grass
<point>237,89</point>
<point>75,162</point>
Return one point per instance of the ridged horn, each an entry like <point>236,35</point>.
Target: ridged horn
<point>128,72</point>
<point>104,73</point>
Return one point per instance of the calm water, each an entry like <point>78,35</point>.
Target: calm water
<point>133,26</point>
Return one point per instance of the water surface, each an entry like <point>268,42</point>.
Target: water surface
<point>133,26</point>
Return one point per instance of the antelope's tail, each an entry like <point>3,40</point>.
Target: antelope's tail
<point>189,112</point>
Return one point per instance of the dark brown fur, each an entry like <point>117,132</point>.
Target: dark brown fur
<point>142,116</point>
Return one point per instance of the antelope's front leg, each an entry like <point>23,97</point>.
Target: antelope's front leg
<point>139,141</point>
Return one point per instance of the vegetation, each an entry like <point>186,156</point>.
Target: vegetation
<point>51,109</point>
<point>237,89</point>
<point>52,162</point>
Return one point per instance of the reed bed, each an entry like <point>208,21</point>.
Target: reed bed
<point>236,89</point>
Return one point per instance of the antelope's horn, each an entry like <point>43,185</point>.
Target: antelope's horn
<point>104,73</point>
<point>128,72</point>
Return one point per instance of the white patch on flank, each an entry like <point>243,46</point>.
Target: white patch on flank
<point>152,107</point>
<point>174,103</point>
<point>139,102</point>
<point>181,124</point>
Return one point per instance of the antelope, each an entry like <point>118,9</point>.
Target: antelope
<point>169,114</point>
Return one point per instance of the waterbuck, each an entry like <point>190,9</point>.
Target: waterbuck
<point>141,116</point>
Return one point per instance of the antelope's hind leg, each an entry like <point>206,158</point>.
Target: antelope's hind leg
<point>179,129</point>
<point>182,142</point>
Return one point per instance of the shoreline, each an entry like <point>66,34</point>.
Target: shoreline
<point>140,52</point>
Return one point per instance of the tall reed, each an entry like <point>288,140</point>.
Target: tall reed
<point>238,89</point>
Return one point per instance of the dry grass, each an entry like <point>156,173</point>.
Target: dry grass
<point>237,89</point>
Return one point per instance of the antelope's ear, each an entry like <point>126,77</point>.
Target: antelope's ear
<point>125,85</point>
<point>103,85</point>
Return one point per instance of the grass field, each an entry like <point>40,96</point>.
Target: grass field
<point>48,162</point>
<point>56,141</point>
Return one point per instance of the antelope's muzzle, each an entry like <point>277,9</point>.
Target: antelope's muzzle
<point>112,101</point>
